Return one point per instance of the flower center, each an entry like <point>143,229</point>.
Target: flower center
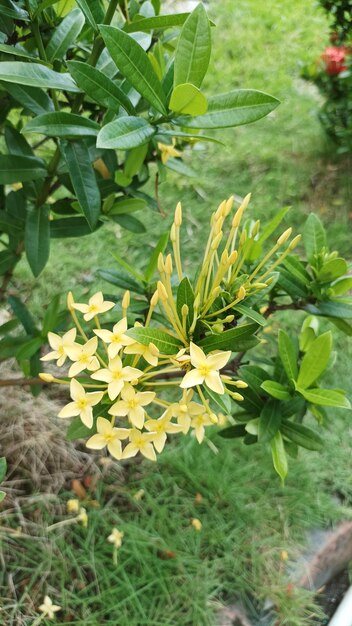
<point>132,403</point>
<point>117,375</point>
<point>204,370</point>
<point>82,403</point>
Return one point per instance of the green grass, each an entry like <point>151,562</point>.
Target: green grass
<point>248,518</point>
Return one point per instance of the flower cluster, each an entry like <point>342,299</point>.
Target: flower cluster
<point>133,385</point>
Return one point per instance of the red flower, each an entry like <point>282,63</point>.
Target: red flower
<point>334,59</point>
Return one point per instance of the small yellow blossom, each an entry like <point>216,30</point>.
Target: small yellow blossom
<point>83,357</point>
<point>284,555</point>
<point>206,369</point>
<point>197,524</point>
<point>48,608</point>
<point>167,151</point>
<point>116,537</point>
<point>161,427</point>
<point>140,442</point>
<point>59,346</point>
<point>116,376</point>
<point>198,423</point>
<point>132,404</point>
<point>184,410</point>
<point>95,306</point>
<point>82,403</point>
<point>108,436</point>
<point>149,353</point>
<point>72,505</point>
<point>115,338</point>
<point>83,517</point>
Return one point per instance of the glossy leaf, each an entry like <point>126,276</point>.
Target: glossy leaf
<point>233,432</point>
<point>275,389</point>
<point>251,314</point>
<point>21,311</point>
<point>135,65</point>
<point>279,456</point>
<point>156,22</point>
<point>188,99</point>
<point>302,435</point>
<point>315,361</point>
<point>153,262</point>
<point>35,75</point>
<point>99,87</point>
<point>185,295</point>
<point>70,227</point>
<point>127,205</point>
<point>62,124</point>
<point>11,9</point>
<point>33,99</point>
<point>235,339</point>
<point>130,223</point>
<point>37,238</point>
<point>88,13</point>
<point>8,260</point>
<point>269,421</point>
<point>166,343</point>
<point>14,169</point>
<point>314,236</point>
<point>51,315</point>
<point>83,179</point>
<point>29,348</point>
<point>192,54</point>
<point>241,106</point>
<point>223,402</point>
<point>332,308</point>
<point>288,355</point>
<point>326,397</point>
<point>332,269</point>
<point>121,280</point>
<point>65,35</point>
<point>3,468</point>
<point>125,133</point>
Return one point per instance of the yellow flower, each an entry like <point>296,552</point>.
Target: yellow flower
<point>82,517</point>
<point>149,353</point>
<point>116,537</point>
<point>115,338</point>
<point>48,608</point>
<point>83,357</point>
<point>116,376</point>
<point>206,369</point>
<point>197,524</point>
<point>72,505</point>
<point>167,151</point>
<point>95,306</point>
<point>108,436</point>
<point>140,442</point>
<point>132,404</point>
<point>184,410</point>
<point>198,423</point>
<point>59,346</point>
<point>161,427</point>
<point>82,403</point>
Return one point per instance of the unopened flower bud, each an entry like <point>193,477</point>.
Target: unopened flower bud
<point>47,378</point>
<point>228,319</point>
<point>256,228</point>
<point>213,418</point>
<point>241,294</point>
<point>216,241</point>
<point>295,242</point>
<point>220,210</point>
<point>218,225</point>
<point>70,301</point>
<point>240,384</point>
<point>126,300</point>
<point>161,266</point>
<point>232,258</point>
<point>224,258</point>
<point>168,264</point>
<point>237,396</point>
<point>173,233</point>
<point>155,298</point>
<point>178,214</point>
<point>228,206</point>
<point>259,285</point>
<point>218,328</point>
<point>162,291</point>
<point>214,294</point>
<point>196,302</point>
<point>184,310</point>
<point>284,237</point>
<point>243,237</point>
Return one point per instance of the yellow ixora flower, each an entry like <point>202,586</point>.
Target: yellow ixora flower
<point>161,427</point>
<point>48,608</point>
<point>83,357</point>
<point>197,524</point>
<point>132,405</point>
<point>72,505</point>
<point>59,346</point>
<point>115,375</point>
<point>206,369</point>
<point>82,403</point>
<point>140,442</point>
<point>198,424</point>
<point>116,338</point>
<point>168,150</point>
<point>116,537</point>
<point>96,305</point>
<point>108,435</point>
<point>184,410</point>
<point>149,353</point>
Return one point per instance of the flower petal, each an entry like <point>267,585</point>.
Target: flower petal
<point>114,388</point>
<point>148,451</point>
<point>104,426</point>
<point>115,449</point>
<point>192,378</point>
<point>146,397</point>
<point>198,357</point>
<point>97,442</point>
<point>55,341</point>
<point>136,416</point>
<point>94,397</point>
<point>120,409</point>
<point>105,335</point>
<point>218,360</point>
<point>213,381</point>
<point>76,390</point>
<point>87,416</point>
<point>70,410</point>
<point>104,374</point>
<point>76,368</point>
<point>130,450</point>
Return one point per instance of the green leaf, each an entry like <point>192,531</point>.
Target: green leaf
<point>77,430</point>
<point>251,314</point>
<point>11,9</point>
<point>166,343</point>
<point>180,167</point>
<point>275,389</point>
<point>269,421</point>
<point>235,339</point>
<point>61,124</point>
<point>121,280</point>
<point>3,468</point>
<point>127,205</point>
<point>35,75</point>
<point>193,50</point>
<point>99,87</point>
<point>130,223</point>
<point>156,22</point>
<point>37,238</point>
<point>153,262</point>
<point>188,99</point>
<point>314,236</point>
<point>315,361</point>
<point>279,456</point>
<point>16,143</point>
<point>51,315</point>
<point>65,35</point>
<point>288,355</point>
<point>125,133</point>
<point>326,397</point>
<point>29,349</point>
<point>342,325</point>
<point>163,135</point>
<point>185,295</point>
<point>8,260</point>
<point>128,267</point>
<point>223,402</point>
<point>241,106</point>
<point>21,311</point>
<point>331,309</point>
<point>134,160</point>
<point>302,436</point>
<point>83,179</point>
<point>8,326</point>
<point>17,51</point>
<point>70,227</point>
<point>135,65</point>
<point>2,495</point>
<point>85,8</point>
<point>292,285</point>
<point>233,432</point>
<point>31,98</point>
<point>342,285</point>
<point>332,269</point>
<point>14,169</point>
<point>272,225</point>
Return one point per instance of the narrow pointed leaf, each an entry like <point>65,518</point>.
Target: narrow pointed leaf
<point>315,361</point>
<point>326,397</point>
<point>14,169</point>
<point>35,100</point>
<point>279,456</point>
<point>288,355</point>
<point>166,343</point>
<point>99,87</point>
<point>65,35</point>
<point>269,421</point>
<point>125,133</point>
<point>192,54</point>
<point>35,75</point>
<point>37,238</point>
<point>83,179</point>
<point>235,339</point>
<point>156,22</point>
<point>275,389</point>
<point>88,13</point>
<point>302,435</point>
<point>314,236</point>
<point>61,124</point>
